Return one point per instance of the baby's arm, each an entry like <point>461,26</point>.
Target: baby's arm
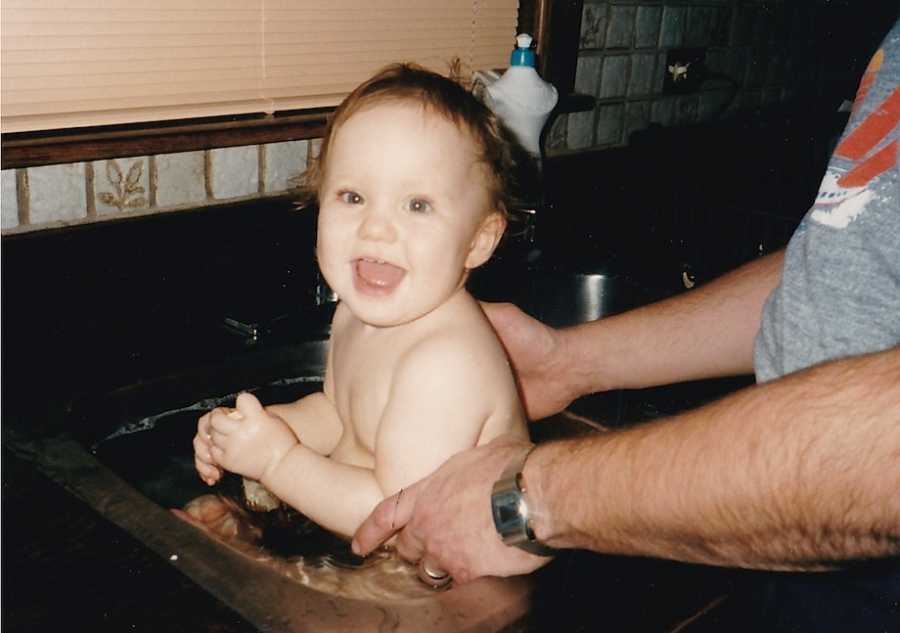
<point>438,404</point>
<point>443,394</point>
<point>257,444</point>
<point>248,440</point>
<point>314,420</point>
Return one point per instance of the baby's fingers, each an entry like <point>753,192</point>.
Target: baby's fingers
<point>208,472</point>
<point>225,423</point>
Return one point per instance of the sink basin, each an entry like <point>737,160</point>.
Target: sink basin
<point>128,455</point>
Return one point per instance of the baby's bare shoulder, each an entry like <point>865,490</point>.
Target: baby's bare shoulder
<point>467,351</point>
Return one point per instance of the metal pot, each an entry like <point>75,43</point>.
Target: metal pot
<point>566,298</point>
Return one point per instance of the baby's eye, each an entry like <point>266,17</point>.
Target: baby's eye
<point>350,197</point>
<point>417,205</point>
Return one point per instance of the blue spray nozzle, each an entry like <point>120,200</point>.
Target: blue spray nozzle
<point>522,55</point>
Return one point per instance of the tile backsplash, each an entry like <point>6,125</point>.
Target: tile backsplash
<point>759,53</point>
<point>58,195</point>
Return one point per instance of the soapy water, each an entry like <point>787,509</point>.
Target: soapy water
<point>155,454</point>
<point>289,544</point>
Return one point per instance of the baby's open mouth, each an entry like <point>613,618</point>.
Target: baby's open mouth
<point>377,275</point>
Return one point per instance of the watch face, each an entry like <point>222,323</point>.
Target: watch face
<point>508,512</point>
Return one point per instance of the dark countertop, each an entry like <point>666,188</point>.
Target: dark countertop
<point>91,308</point>
<point>94,308</point>
<point>66,568</point>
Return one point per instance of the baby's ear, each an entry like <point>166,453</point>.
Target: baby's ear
<point>486,239</point>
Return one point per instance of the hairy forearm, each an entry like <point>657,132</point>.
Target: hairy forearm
<point>799,473</point>
<point>704,333</point>
<point>336,496</point>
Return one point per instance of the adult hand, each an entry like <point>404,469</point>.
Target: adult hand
<point>538,358</point>
<point>446,518</point>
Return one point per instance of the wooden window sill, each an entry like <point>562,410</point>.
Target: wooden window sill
<point>86,144</point>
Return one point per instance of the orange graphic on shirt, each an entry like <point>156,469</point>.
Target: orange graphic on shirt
<point>869,77</point>
<point>859,144</point>
<point>843,196</point>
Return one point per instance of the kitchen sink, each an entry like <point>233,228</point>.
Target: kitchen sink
<point>128,454</point>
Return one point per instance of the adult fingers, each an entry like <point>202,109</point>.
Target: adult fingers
<point>409,545</point>
<point>388,517</point>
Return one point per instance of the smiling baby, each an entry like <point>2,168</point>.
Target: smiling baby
<point>412,185</point>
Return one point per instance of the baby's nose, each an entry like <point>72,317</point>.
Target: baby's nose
<point>377,225</point>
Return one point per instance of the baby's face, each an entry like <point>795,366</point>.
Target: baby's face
<point>401,209</point>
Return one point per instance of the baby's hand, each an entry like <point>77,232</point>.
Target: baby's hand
<point>206,466</point>
<point>249,441</point>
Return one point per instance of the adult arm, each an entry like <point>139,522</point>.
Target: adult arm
<point>706,332</point>
<point>798,473</point>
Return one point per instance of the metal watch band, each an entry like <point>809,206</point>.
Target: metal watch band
<point>509,507</point>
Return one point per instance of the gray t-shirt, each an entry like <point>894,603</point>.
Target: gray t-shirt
<point>840,290</point>
<point>840,296</point>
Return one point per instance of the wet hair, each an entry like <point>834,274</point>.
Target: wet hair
<point>498,151</point>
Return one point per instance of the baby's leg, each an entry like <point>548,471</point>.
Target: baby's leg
<point>223,519</point>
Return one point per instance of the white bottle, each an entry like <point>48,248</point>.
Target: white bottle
<point>521,99</point>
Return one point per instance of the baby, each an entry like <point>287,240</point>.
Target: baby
<point>412,182</point>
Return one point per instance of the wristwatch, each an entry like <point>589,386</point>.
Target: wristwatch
<point>509,507</point>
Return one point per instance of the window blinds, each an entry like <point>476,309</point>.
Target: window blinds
<point>73,63</point>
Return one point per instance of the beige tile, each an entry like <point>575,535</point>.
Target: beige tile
<point>284,163</point>
<point>614,76</point>
<point>8,200</point>
<point>579,134</point>
<point>56,192</point>
<point>672,31</point>
<point>646,27</point>
<point>587,74</point>
<point>621,27</point>
<point>593,25</point>
<point>234,172</point>
<point>180,179</point>
<point>121,185</point>
<point>643,73</point>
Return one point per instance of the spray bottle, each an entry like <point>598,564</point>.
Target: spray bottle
<point>521,99</point>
